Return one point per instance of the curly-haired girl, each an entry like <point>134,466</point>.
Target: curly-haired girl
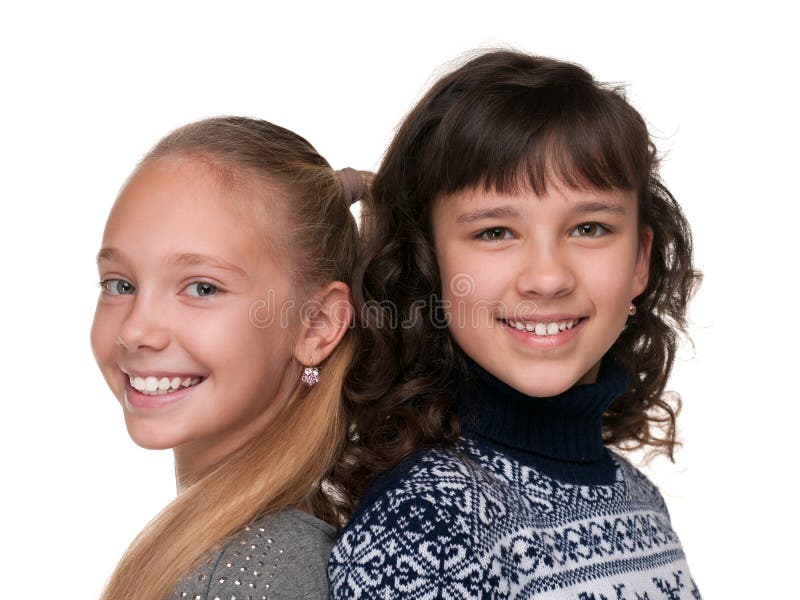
<point>524,287</point>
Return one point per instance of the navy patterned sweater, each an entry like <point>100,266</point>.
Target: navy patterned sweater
<point>529,504</point>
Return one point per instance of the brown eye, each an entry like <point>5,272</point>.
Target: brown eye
<point>494,234</point>
<point>590,230</point>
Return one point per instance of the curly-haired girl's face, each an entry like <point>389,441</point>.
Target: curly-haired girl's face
<point>538,287</point>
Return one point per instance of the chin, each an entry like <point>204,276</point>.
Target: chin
<point>153,445</point>
<point>542,383</point>
<point>543,390</point>
<point>150,438</point>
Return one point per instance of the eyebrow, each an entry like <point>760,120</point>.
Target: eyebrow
<point>487,213</point>
<point>186,259</point>
<point>580,208</point>
<point>592,206</point>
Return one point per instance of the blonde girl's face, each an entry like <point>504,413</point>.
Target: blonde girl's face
<point>190,303</point>
<point>538,287</point>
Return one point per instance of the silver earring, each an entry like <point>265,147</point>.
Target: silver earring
<point>631,309</point>
<point>310,375</point>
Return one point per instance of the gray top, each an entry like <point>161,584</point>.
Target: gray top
<point>277,557</point>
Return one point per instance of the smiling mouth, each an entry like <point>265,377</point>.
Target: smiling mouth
<point>540,328</point>
<point>160,386</point>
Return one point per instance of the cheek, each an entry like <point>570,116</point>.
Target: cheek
<point>253,369</point>
<point>609,283</point>
<point>103,334</point>
<point>214,338</point>
<point>473,278</point>
<point>231,340</point>
<point>475,297</point>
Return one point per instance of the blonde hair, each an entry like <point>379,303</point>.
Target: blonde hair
<point>286,463</point>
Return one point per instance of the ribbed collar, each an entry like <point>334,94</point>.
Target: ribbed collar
<point>566,427</point>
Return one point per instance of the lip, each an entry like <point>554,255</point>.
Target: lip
<point>135,398</point>
<point>545,342</point>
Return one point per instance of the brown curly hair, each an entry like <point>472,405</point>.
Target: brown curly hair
<point>502,120</point>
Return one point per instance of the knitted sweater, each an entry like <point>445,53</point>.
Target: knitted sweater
<point>529,504</point>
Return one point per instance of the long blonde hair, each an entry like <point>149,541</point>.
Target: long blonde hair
<point>285,464</point>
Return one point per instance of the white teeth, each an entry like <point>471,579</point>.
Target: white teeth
<point>543,328</point>
<point>153,386</point>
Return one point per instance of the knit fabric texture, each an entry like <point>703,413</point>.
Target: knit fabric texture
<point>529,504</point>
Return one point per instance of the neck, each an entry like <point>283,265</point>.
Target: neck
<point>195,459</point>
<point>566,427</point>
<point>191,465</point>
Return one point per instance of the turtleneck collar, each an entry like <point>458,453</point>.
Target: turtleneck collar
<point>566,427</point>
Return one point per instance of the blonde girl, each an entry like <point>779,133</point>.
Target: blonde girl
<point>222,330</point>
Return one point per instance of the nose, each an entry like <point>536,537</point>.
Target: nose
<point>144,326</point>
<point>544,272</point>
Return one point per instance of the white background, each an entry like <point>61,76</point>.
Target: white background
<point>86,89</point>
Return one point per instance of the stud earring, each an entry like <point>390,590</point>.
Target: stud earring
<point>632,309</point>
<point>310,375</point>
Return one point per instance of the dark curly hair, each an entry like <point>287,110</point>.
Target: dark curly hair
<point>502,120</point>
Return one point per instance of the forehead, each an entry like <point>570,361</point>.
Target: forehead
<point>473,203</point>
<point>176,205</point>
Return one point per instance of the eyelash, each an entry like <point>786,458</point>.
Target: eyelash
<point>600,225</point>
<point>104,287</point>
<point>481,234</point>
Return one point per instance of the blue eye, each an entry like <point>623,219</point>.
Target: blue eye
<point>202,289</point>
<point>494,234</point>
<point>117,287</point>
<point>590,230</point>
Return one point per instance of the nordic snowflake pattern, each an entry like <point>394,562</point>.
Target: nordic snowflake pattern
<point>474,523</point>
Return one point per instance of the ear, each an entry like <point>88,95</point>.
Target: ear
<point>323,322</point>
<point>642,271</point>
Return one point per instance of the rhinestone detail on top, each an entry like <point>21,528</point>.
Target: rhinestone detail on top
<point>248,562</point>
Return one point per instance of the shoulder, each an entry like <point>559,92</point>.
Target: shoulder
<point>415,531</point>
<point>282,556</point>
<point>438,476</point>
<point>639,489</point>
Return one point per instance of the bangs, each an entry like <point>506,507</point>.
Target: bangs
<point>513,138</point>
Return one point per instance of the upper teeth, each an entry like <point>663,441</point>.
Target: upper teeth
<point>154,386</point>
<point>543,328</point>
